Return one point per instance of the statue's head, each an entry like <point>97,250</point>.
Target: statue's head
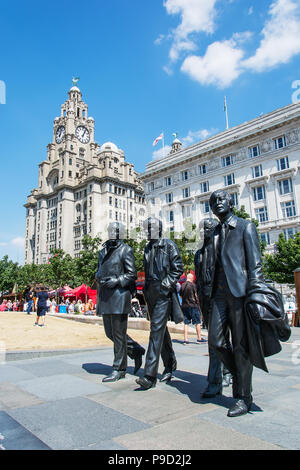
<point>221,203</point>
<point>116,231</point>
<point>153,228</point>
<point>208,227</point>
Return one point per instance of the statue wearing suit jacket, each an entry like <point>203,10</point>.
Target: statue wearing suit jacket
<point>218,376</point>
<point>236,264</point>
<point>116,276</point>
<point>163,268</point>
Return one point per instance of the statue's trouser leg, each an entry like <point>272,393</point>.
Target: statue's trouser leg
<point>159,340</point>
<point>227,313</point>
<point>115,327</point>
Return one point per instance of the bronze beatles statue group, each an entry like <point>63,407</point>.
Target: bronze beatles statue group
<point>245,316</point>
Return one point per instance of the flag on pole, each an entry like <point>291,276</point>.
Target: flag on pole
<point>160,137</point>
<point>226,113</point>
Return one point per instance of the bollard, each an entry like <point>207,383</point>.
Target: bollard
<point>297,285</point>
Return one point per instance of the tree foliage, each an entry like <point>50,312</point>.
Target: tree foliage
<point>280,266</point>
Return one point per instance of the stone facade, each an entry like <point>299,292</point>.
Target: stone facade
<point>82,186</point>
<point>258,162</point>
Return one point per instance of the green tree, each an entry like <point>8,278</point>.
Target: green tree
<point>62,268</point>
<point>31,274</point>
<point>8,274</point>
<point>280,266</point>
<point>85,266</point>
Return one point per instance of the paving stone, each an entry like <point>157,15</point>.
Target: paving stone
<point>12,396</point>
<point>60,386</point>
<point>13,374</point>
<point>192,433</point>
<point>15,437</point>
<point>47,367</point>
<point>153,406</point>
<point>76,423</point>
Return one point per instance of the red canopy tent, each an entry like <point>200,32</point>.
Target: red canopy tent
<point>81,291</point>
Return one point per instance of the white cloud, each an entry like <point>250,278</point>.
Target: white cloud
<point>161,152</point>
<point>18,241</point>
<point>219,66</point>
<point>13,248</point>
<point>195,136</point>
<point>225,60</point>
<point>196,16</point>
<point>281,35</point>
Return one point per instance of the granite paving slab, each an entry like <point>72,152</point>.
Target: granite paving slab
<point>76,423</point>
<point>56,387</point>
<point>153,406</point>
<point>12,396</point>
<point>192,433</point>
<point>13,374</point>
<point>13,436</point>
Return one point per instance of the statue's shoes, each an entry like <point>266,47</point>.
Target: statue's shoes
<point>114,376</point>
<point>226,380</point>
<point>146,383</point>
<point>240,408</point>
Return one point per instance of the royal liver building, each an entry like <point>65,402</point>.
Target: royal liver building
<point>82,186</point>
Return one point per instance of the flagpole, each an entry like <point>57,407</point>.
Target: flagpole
<point>163,142</point>
<point>225,108</point>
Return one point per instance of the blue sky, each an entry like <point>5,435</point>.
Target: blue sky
<point>144,67</point>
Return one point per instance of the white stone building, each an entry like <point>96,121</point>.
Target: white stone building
<point>258,162</point>
<point>82,186</point>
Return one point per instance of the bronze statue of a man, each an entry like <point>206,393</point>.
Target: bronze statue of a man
<point>163,268</point>
<point>236,263</point>
<point>218,376</point>
<point>116,276</point>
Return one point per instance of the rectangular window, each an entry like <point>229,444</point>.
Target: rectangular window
<point>280,142</point>
<point>265,238</point>
<point>261,214</point>
<point>288,209</point>
<point>185,175</point>
<point>227,161</point>
<point>151,187</point>
<point>235,199</point>
<point>171,216</point>
<point>229,179</point>
<point>257,171</point>
<point>110,188</point>
<point>204,187</point>
<point>283,163</point>
<point>205,207</point>
<point>254,151</point>
<point>259,193</point>
<point>202,169</point>
<point>289,233</point>
<point>285,186</point>
<point>168,181</point>
<point>186,192</point>
<point>169,197</point>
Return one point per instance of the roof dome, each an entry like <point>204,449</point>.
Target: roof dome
<point>109,146</point>
<point>75,88</point>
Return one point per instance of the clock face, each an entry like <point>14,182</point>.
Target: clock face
<point>82,134</point>
<point>60,132</point>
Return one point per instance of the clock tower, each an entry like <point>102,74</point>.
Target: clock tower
<point>82,186</point>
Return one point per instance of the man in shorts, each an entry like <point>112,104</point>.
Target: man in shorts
<point>190,308</point>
